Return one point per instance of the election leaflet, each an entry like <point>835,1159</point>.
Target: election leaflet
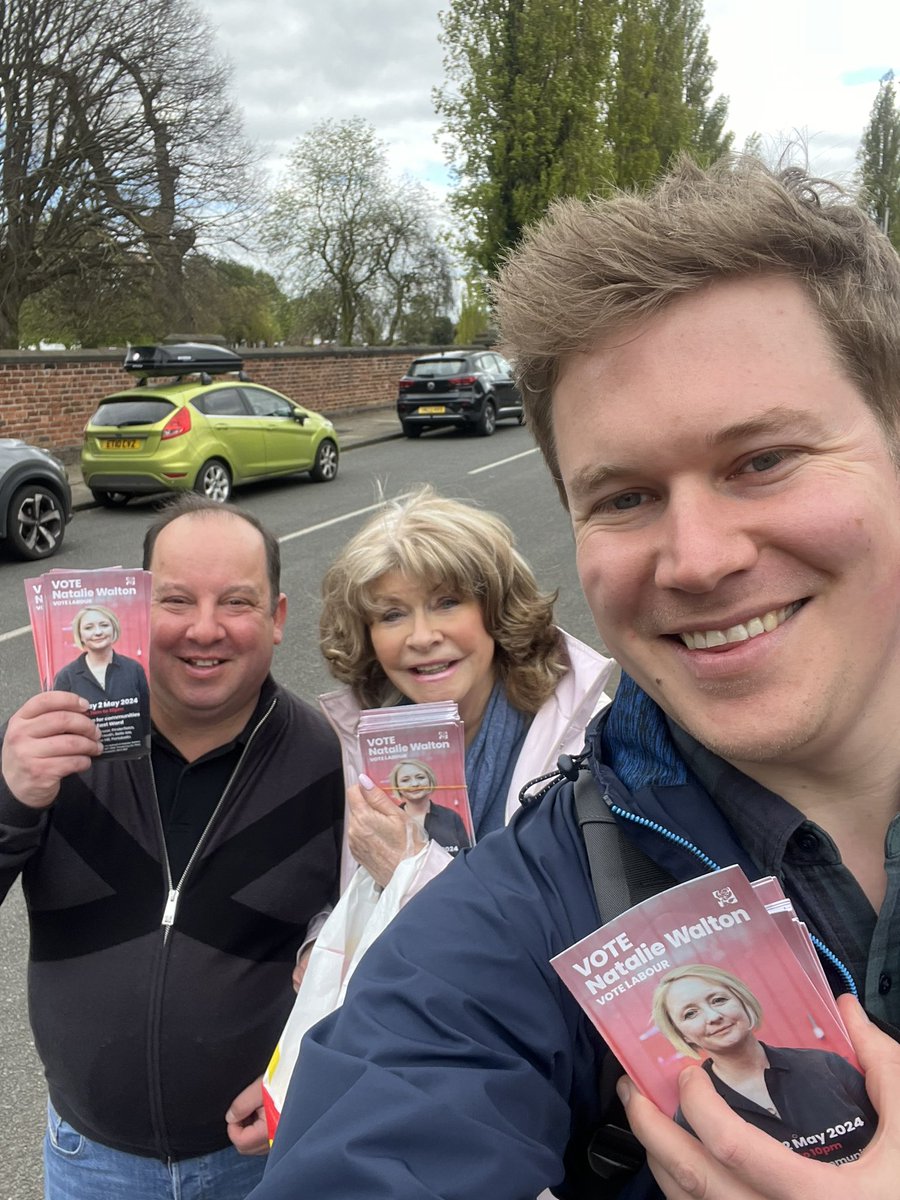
<point>91,632</point>
<point>704,972</point>
<point>416,754</point>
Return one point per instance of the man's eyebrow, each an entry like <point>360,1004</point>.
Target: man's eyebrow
<point>780,421</point>
<point>236,589</point>
<point>587,480</point>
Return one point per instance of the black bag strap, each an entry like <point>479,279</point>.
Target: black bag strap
<point>622,876</point>
<point>621,873</point>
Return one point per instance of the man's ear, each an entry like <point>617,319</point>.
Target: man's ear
<point>279,617</point>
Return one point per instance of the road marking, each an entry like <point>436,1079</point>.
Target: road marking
<point>358,512</point>
<point>502,461</point>
<point>4,637</point>
<point>287,537</point>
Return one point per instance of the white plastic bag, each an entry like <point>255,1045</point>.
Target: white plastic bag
<point>357,919</point>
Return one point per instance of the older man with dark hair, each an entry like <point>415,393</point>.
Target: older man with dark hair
<point>168,897</point>
<point>713,373</point>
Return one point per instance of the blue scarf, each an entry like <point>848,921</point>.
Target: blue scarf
<point>490,760</point>
<point>636,741</point>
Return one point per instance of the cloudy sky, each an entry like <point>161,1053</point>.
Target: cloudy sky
<point>790,67</point>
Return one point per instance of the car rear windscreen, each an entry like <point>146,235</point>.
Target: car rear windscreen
<point>440,368</point>
<point>119,413</point>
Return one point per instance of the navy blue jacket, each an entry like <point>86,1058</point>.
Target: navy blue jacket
<point>460,1066</point>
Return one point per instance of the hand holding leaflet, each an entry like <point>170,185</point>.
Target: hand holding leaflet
<point>379,832</point>
<point>416,754</point>
<point>50,737</point>
<point>92,637</point>
<point>732,1161</point>
<point>702,972</point>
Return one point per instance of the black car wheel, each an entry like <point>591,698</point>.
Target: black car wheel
<point>325,467</point>
<point>214,481</point>
<point>411,431</point>
<point>111,499</point>
<point>487,422</point>
<point>35,522</point>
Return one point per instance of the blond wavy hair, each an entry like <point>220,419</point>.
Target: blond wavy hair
<point>592,268</point>
<point>440,543</point>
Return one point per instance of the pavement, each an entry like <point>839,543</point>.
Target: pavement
<point>354,429</point>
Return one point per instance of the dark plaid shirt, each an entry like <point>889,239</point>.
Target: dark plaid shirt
<point>806,861</point>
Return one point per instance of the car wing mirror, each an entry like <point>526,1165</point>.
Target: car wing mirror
<point>299,417</point>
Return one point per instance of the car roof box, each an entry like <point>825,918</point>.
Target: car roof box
<point>183,358</point>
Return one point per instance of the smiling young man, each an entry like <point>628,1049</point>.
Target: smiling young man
<point>712,371</point>
<point>168,896</point>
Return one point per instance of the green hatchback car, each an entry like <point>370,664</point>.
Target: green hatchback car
<point>199,430</point>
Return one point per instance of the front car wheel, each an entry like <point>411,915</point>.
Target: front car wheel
<point>35,522</point>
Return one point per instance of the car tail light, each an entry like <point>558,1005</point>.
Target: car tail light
<point>406,384</point>
<point>463,380</point>
<point>177,424</point>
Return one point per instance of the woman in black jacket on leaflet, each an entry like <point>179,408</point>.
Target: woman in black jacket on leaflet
<point>814,1101</point>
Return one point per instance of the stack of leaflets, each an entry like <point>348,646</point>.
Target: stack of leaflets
<point>416,754</point>
<point>91,633</point>
<point>719,971</point>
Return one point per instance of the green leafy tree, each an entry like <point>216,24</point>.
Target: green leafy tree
<point>341,227</point>
<point>567,97</point>
<point>527,82</point>
<point>313,317</point>
<point>243,304</point>
<point>660,99</point>
<point>879,161</point>
<point>474,313</point>
<point>121,304</point>
<point>108,301</point>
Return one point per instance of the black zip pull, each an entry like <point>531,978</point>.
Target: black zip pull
<point>570,766</point>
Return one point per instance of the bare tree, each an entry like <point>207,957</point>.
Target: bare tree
<point>340,226</point>
<point>47,215</point>
<point>117,134</point>
<point>190,173</point>
<point>415,268</point>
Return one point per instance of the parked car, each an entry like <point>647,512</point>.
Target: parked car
<point>470,390</point>
<point>35,499</point>
<point>199,430</point>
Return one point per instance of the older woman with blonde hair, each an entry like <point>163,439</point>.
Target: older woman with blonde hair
<point>430,601</point>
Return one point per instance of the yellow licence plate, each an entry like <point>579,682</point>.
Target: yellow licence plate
<point>432,408</point>
<point>120,443</point>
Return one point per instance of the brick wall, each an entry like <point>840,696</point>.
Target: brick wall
<point>46,397</point>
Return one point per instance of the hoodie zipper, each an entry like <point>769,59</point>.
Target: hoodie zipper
<point>174,892</point>
<point>173,895</point>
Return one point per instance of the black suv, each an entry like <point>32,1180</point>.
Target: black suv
<point>472,390</point>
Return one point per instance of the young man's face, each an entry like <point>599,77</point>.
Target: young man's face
<point>737,522</point>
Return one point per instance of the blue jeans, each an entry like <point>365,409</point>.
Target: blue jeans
<point>75,1168</point>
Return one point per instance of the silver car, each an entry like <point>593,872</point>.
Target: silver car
<point>35,499</point>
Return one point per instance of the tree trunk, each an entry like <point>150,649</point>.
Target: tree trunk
<point>10,304</point>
